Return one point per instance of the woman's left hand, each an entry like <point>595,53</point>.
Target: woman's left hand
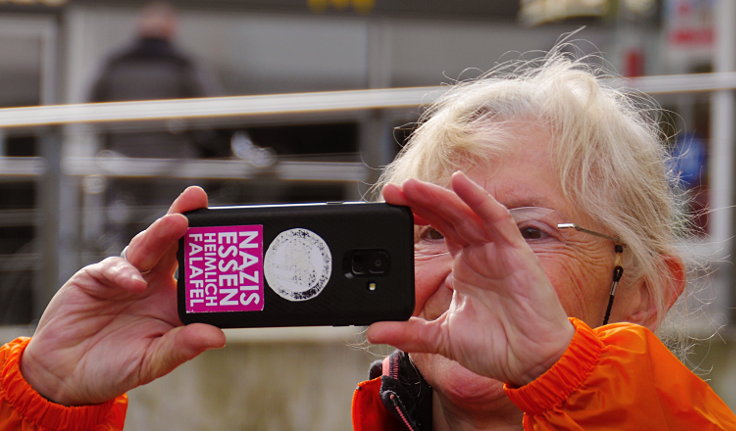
<point>114,326</point>
<point>505,320</point>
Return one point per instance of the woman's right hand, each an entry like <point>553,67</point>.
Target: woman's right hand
<point>114,325</point>
<point>504,320</point>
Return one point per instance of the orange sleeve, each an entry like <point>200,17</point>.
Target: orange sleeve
<point>24,409</point>
<point>368,411</point>
<point>619,376</point>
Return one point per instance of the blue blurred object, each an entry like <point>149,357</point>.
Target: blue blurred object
<point>689,156</point>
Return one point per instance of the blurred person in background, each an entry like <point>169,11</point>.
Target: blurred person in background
<point>152,67</point>
<point>539,195</point>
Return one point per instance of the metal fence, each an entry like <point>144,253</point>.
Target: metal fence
<point>68,173</point>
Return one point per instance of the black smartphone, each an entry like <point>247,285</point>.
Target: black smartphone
<point>297,265</point>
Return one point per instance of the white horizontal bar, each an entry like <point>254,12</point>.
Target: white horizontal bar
<point>673,84</point>
<point>222,169</point>
<point>294,103</point>
<point>18,217</point>
<point>22,166</point>
<point>218,106</point>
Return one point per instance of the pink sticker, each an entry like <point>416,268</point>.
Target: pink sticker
<point>224,269</point>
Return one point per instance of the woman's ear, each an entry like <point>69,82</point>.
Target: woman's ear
<point>647,313</point>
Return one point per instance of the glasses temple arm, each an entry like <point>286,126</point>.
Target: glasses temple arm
<point>588,231</point>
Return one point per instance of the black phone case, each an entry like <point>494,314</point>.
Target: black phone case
<point>371,276</point>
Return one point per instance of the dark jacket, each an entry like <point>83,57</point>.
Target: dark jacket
<point>152,68</point>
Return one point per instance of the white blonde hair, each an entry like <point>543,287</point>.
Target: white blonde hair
<point>607,147</point>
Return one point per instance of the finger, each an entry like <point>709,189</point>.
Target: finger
<point>114,272</point>
<point>423,198</point>
<point>192,198</point>
<point>169,261</point>
<point>415,335</point>
<point>432,300</point>
<point>148,247</point>
<point>493,216</point>
<point>180,345</point>
<point>162,277</point>
<point>393,194</point>
<point>445,211</point>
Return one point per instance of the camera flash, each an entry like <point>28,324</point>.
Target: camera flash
<point>372,286</point>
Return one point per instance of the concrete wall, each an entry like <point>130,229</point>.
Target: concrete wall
<point>281,386</point>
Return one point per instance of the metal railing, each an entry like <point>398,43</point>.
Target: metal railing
<point>58,174</point>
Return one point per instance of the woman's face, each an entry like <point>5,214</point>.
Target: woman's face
<point>578,265</point>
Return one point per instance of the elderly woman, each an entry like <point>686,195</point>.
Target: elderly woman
<point>540,197</point>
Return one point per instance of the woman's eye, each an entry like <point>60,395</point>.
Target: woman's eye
<point>532,233</point>
<point>431,234</point>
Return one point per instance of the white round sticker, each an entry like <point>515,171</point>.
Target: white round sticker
<point>298,264</point>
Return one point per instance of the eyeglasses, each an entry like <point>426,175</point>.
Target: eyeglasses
<point>545,230</point>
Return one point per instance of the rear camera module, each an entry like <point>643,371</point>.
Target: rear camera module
<point>368,262</point>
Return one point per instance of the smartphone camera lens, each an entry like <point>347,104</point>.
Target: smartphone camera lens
<point>379,263</point>
<point>359,264</point>
<point>365,262</point>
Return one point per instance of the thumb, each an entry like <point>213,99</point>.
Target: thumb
<point>180,345</point>
<point>415,335</point>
